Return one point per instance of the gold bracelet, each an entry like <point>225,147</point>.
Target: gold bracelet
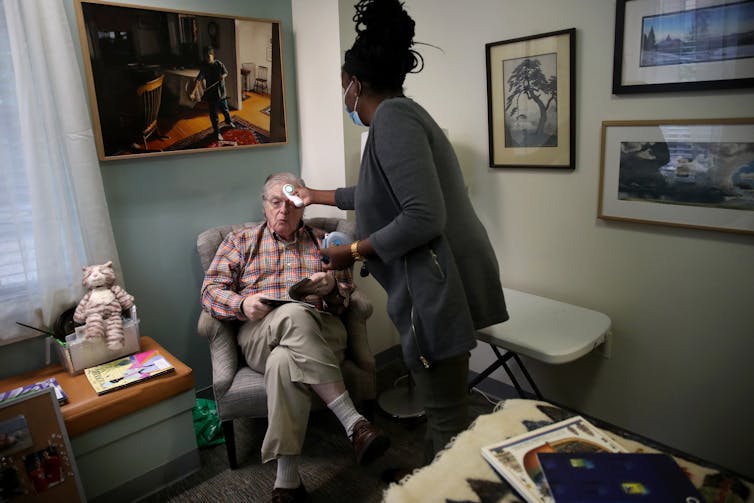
<point>355,252</point>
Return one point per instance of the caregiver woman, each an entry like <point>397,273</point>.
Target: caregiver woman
<point>419,234</point>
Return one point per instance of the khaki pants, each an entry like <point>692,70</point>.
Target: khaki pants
<point>293,346</point>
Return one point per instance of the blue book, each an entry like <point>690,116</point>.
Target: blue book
<point>24,390</point>
<point>600,477</point>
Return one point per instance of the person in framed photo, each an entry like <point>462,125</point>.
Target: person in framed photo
<point>210,81</point>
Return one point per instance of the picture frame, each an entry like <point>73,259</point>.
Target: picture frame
<point>532,129</point>
<point>152,89</point>
<point>696,174</point>
<point>36,459</point>
<point>674,45</point>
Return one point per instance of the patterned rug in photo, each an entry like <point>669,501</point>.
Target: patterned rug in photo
<point>244,133</point>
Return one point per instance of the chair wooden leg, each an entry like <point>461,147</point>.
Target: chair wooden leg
<point>230,443</point>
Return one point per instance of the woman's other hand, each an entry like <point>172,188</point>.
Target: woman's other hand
<point>336,257</point>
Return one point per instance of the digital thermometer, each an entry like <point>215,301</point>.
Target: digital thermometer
<point>288,192</point>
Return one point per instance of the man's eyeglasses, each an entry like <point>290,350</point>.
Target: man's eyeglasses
<point>276,203</point>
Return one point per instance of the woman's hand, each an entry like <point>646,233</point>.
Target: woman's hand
<point>305,194</point>
<point>336,257</point>
<point>314,196</point>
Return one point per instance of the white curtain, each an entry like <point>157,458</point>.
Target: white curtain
<point>54,216</point>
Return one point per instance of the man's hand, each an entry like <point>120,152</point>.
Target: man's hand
<point>253,308</point>
<point>322,283</point>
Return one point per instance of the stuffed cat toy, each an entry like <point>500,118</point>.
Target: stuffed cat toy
<point>102,306</point>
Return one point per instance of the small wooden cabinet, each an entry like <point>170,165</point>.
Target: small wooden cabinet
<point>131,441</point>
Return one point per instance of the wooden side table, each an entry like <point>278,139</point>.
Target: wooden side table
<point>130,441</point>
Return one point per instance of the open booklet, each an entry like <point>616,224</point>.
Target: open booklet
<point>516,460</point>
<point>296,293</point>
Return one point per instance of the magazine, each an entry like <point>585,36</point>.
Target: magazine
<point>515,458</point>
<point>596,477</point>
<point>127,370</point>
<point>47,383</point>
<point>296,293</point>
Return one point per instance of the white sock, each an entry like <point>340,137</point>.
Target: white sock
<point>287,474</point>
<point>346,413</point>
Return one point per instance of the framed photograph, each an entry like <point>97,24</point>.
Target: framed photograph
<point>531,94</point>
<point>165,81</point>
<point>676,45</point>
<point>685,173</point>
<point>36,459</point>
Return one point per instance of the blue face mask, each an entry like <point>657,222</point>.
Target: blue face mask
<point>353,114</point>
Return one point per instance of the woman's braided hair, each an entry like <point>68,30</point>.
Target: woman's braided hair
<point>382,53</point>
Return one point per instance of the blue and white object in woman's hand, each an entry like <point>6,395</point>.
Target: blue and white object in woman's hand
<point>336,238</point>
<point>288,192</point>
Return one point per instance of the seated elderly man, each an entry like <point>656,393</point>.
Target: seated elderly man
<point>297,347</point>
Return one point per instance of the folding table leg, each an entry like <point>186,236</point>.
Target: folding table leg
<point>502,361</point>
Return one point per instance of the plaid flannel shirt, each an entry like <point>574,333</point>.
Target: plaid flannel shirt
<point>254,260</point>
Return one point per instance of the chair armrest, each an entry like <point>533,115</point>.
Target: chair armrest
<point>359,309</point>
<point>223,349</point>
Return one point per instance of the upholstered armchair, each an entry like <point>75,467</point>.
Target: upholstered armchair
<point>239,391</point>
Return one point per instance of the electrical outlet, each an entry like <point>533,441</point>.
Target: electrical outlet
<point>606,348</point>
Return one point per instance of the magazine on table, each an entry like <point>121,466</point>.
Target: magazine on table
<point>127,370</point>
<point>515,458</point>
<point>29,388</point>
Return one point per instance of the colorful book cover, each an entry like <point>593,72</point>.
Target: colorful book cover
<point>47,383</point>
<point>126,371</point>
<point>616,477</point>
<point>515,458</point>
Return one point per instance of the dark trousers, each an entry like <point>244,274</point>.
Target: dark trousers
<point>442,391</point>
<point>214,106</point>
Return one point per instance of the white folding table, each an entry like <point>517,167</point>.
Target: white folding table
<point>544,329</point>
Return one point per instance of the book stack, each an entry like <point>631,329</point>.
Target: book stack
<point>29,388</point>
<point>573,461</point>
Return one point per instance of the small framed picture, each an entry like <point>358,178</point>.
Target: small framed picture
<point>531,94</point>
<point>676,45</point>
<point>36,459</point>
<point>684,173</point>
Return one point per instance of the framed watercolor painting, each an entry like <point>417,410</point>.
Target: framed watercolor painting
<point>676,45</point>
<point>685,173</point>
<point>155,91</point>
<point>531,94</point>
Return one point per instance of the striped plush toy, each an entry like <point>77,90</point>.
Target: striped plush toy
<point>102,306</point>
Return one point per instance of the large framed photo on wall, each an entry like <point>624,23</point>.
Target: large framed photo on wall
<point>531,94</point>
<point>677,45</point>
<point>165,81</point>
<point>683,173</point>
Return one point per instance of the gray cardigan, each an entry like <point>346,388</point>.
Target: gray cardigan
<point>434,257</point>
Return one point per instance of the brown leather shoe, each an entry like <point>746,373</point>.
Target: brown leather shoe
<point>297,495</point>
<point>369,442</point>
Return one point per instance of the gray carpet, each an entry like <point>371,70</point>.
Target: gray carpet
<point>329,470</point>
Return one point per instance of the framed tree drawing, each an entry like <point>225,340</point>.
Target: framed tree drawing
<point>683,173</point>
<point>531,94</point>
<point>676,45</point>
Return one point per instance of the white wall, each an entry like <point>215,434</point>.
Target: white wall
<point>318,83</point>
<point>680,300</point>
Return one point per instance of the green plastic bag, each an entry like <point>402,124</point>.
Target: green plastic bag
<point>207,425</point>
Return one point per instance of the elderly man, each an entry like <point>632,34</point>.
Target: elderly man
<point>297,347</point>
